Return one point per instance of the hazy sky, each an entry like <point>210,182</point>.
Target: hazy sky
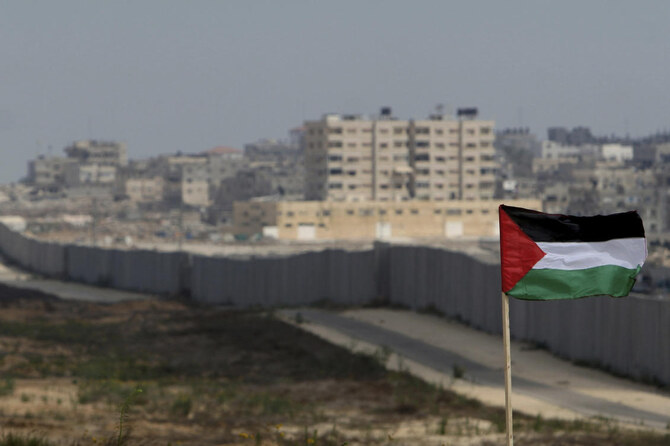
<point>183,75</point>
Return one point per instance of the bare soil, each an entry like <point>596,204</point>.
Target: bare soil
<point>178,373</point>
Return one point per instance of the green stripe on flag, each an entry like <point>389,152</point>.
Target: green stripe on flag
<point>552,284</point>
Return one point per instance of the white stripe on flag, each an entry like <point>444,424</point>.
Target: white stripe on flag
<point>625,252</point>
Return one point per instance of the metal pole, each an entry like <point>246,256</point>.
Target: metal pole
<point>508,369</point>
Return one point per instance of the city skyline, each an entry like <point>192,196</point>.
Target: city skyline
<point>170,76</point>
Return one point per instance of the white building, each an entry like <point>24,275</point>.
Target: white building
<point>616,152</point>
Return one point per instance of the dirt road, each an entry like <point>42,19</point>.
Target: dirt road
<point>438,350</point>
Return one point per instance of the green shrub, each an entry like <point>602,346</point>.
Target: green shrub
<point>7,388</point>
<point>182,405</point>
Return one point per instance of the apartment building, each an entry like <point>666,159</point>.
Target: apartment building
<point>91,151</point>
<point>48,171</point>
<point>144,190</point>
<point>81,174</point>
<point>354,158</point>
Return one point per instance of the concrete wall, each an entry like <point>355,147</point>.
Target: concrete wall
<point>630,336</point>
<point>137,270</point>
<point>339,276</point>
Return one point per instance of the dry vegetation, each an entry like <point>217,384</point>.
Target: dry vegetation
<point>181,374</point>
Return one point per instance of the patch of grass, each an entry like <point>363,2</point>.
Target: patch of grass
<point>119,367</point>
<point>182,405</point>
<point>266,403</point>
<point>18,440</point>
<point>382,355</point>
<point>69,332</point>
<point>110,391</point>
<point>457,371</point>
<point>7,387</point>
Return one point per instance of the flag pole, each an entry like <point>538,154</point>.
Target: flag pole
<point>508,369</point>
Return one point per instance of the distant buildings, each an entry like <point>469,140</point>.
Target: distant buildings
<point>577,136</point>
<point>334,220</point>
<point>353,158</point>
<point>371,165</point>
<point>88,163</point>
<point>103,153</point>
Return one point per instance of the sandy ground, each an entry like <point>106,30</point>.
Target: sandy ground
<point>610,396</point>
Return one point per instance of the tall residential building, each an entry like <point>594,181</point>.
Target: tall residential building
<point>352,158</point>
<point>108,153</point>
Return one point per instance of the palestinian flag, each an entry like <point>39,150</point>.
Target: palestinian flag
<point>552,256</point>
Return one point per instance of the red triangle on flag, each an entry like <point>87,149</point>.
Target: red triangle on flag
<point>518,253</point>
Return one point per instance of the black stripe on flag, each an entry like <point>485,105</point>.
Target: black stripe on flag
<point>541,227</point>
